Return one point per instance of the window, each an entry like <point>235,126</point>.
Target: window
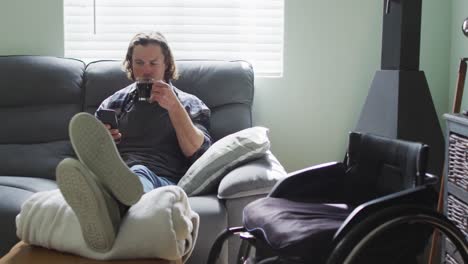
<point>250,30</point>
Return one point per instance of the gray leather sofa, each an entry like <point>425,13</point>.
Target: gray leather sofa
<point>39,95</point>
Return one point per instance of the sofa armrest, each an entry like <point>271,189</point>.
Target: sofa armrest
<point>253,178</point>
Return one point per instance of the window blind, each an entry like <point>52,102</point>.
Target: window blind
<point>250,30</point>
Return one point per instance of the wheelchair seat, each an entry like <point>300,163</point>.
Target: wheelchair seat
<point>321,214</point>
<point>290,227</point>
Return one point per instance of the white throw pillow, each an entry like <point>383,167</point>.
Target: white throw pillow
<point>225,154</point>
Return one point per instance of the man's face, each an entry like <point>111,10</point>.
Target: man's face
<point>148,62</point>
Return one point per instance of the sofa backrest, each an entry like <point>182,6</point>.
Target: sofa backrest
<point>38,96</point>
<point>226,87</point>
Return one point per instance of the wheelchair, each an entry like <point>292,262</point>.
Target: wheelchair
<point>377,206</point>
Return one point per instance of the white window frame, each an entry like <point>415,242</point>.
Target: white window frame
<point>251,30</point>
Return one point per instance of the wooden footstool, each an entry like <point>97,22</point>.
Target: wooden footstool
<point>23,253</point>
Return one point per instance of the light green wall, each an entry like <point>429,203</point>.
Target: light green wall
<point>459,49</point>
<point>435,51</point>
<point>332,50</point>
<point>31,27</point>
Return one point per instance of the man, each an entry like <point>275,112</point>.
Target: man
<point>157,141</point>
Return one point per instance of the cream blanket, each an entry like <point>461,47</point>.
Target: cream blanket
<point>160,225</point>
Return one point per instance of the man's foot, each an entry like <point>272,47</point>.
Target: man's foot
<point>97,212</point>
<point>96,149</point>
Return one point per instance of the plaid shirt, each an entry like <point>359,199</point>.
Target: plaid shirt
<point>123,100</point>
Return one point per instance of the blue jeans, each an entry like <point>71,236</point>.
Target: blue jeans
<point>149,179</point>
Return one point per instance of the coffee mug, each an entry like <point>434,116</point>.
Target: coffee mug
<point>144,86</point>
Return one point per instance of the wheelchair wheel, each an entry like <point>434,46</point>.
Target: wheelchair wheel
<point>355,245</point>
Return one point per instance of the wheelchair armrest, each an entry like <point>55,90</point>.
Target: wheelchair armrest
<point>430,179</point>
<point>318,183</point>
<point>422,196</point>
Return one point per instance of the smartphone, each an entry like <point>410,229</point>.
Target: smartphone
<point>108,116</point>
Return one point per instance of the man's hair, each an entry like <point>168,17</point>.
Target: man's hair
<point>155,38</point>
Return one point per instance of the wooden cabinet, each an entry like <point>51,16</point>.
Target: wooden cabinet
<point>456,179</point>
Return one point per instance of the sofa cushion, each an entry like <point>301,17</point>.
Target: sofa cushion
<point>227,153</point>
<point>102,79</point>
<point>39,96</point>
<point>29,184</point>
<point>40,81</point>
<point>226,87</point>
<point>13,192</point>
<point>33,160</point>
<point>11,199</point>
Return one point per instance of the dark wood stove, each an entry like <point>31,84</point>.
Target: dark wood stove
<point>399,103</point>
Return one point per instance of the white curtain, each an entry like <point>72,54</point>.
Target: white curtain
<point>249,30</point>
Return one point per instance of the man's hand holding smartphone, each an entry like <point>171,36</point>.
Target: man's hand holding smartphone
<point>109,118</point>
